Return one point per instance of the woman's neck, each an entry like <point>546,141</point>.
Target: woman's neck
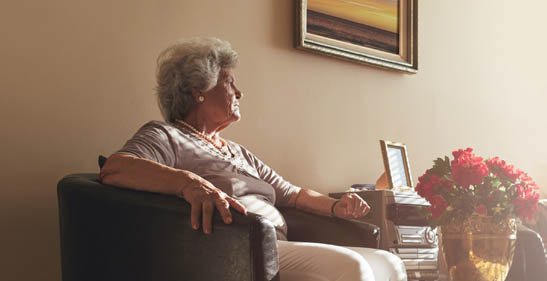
<point>202,126</point>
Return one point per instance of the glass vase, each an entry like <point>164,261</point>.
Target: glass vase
<point>477,249</point>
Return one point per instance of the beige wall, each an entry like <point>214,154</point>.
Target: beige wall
<point>77,81</point>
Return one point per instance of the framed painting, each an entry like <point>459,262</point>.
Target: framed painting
<point>382,33</point>
<point>397,168</point>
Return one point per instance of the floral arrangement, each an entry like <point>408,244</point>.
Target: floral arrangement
<point>469,185</point>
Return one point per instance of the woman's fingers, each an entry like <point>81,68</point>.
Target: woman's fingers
<point>362,208</point>
<point>205,209</point>
<point>207,216</point>
<point>195,214</point>
<point>204,198</point>
<point>354,206</point>
<point>359,206</point>
<point>223,208</point>
<point>236,205</point>
<point>350,204</point>
<point>365,210</point>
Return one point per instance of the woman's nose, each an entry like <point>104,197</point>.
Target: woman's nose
<point>239,94</point>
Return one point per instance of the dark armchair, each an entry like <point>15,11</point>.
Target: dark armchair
<point>530,259</point>
<point>110,233</point>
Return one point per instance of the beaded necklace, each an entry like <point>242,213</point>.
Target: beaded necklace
<point>223,148</point>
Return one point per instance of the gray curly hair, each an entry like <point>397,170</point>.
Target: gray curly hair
<point>192,64</point>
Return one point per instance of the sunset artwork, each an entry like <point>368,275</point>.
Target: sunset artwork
<point>368,23</point>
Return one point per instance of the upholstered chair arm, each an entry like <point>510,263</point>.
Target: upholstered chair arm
<point>530,260</point>
<point>313,228</point>
<point>110,233</point>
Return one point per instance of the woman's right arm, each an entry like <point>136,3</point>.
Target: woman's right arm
<point>129,171</point>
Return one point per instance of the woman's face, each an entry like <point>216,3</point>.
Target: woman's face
<point>221,104</point>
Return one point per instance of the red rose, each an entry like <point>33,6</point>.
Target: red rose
<point>523,177</point>
<point>447,185</point>
<point>468,169</point>
<point>438,205</point>
<point>526,206</point>
<point>453,180</point>
<point>499,168</point>
<point>459,152</point>
<point>521,189</point>
<point>429,185</point>
<point>424,187</point>
<point>481,210</point>
<point>526,201</point>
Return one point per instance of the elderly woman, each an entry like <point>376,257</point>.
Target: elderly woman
<point>185,156</point>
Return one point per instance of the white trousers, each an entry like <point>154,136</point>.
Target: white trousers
<point>302,261</point>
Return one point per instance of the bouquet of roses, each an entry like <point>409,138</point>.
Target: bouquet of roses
<point>469,185</point>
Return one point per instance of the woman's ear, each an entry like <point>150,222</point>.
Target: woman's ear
<point>198,96</point>
<point>195,93</point>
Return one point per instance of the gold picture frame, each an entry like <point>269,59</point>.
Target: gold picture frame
<point>397,167</point>
<point>354,30</point>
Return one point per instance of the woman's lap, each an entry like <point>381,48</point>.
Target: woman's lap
<point>302,261</point>
<point>386,266</point>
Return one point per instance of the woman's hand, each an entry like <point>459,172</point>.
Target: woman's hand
<point>203,196</point>
<point>142,174</point>
<point>350,206</point>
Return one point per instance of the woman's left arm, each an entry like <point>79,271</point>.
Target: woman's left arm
<point>350,206</point>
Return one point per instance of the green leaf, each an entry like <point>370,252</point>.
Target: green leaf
<point>441,167</point>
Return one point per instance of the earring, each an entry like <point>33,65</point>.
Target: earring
<point>201,98</point>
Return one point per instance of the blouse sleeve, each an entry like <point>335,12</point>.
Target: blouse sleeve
<point>284,190</point>
<point>153,142</point>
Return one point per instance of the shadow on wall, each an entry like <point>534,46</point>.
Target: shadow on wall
<point>282,32</point>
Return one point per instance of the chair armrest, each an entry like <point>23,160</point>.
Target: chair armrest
<point>306,227</point>
<point>110,233</point>
<point>530,260</point>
